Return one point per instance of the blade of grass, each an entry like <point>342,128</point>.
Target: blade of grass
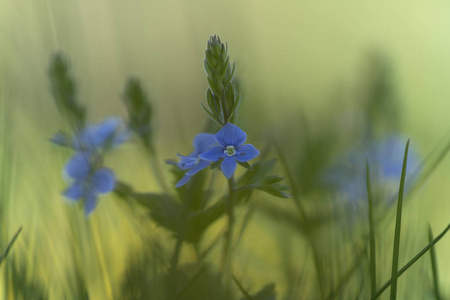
<point>6,251</point>
<point>434,266</point>
<point>372,254</point>
<point>398,222</point>
<point>412,261</point>
<point>241,288</point>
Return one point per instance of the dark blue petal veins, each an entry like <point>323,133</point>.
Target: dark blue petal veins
<point>246,152</point>
<point>231,135</point>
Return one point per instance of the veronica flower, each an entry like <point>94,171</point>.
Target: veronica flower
<point>88,181</point>
<point>192,162</point>
<point>94,138</point>
<point>385,162</point>
<point>231,149</point>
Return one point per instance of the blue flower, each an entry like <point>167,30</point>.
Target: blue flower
<point>192,162</point>
<point>88,181</point>
<point>96,137</point>
<point>385,162</point>
<point>231,149</point>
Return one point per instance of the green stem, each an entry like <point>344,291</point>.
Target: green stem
<point>228,245</point>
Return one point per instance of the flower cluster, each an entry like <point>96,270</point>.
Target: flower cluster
<point>88,177</point>
<point>227,145</point>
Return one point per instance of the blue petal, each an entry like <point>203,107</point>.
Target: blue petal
<point>213,154</point>
<point>228,166</point>
<point>200,166</point>
<point>186,162</point>
<point>246,152</point>
<point>90,202</point>
<point>202,142</point>
<point>104,180</point>
<point>183,181</point>
<point>96,136</point>
<point>231,135</point>
<point>75,191</point>
<point>78,166</point>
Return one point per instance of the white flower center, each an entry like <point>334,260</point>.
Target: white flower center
<point>229,151</point>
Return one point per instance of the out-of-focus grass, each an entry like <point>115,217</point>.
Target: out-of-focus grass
<point>296,62</point>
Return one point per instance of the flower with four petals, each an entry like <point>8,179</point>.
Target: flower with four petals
<point>88,181</point>
<point>230,148</point>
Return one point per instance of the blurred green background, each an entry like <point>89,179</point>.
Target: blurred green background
<point>297,61</point>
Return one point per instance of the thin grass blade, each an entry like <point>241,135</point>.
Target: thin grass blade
<point>411,262</point>
<point>372,254</point>
<point>434,266</point>
<point>398,222</point>
<point>6,251</point>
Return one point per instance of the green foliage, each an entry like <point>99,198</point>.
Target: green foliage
<point>257,177</point>
<point>139,111</point>
<point>64,91</point>
<point>222,97</point>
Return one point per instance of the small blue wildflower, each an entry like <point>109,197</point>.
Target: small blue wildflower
<point>96,137</point>
<point>88,181</point>
<point>192,162</point>
<point>231,149</point>
<point>385,162</point>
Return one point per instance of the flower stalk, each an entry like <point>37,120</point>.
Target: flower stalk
<point>228,243</point>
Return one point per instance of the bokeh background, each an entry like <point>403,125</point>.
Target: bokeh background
<point>298,62</point>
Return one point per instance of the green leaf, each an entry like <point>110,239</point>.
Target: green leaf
<point>271,179</point>
<point>398,222</point>
<point>245,165</point>
<point>273,191</point>
<point>210,114</point>
<point>258,171</point>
